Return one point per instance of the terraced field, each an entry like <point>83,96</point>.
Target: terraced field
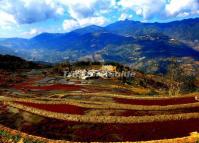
<point>78,112</point>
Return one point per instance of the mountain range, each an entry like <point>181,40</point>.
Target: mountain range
<point>128,42</point>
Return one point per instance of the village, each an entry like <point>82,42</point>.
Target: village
<point>105,72</point>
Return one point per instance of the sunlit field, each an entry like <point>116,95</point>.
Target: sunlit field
<point>100,110</point>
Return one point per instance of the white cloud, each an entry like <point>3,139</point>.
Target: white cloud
<point>161,9</point>
<point>30,11</point>
<point>79,9</point>
<point>6,19</point>
<point>145,8</point>
<point>84,13</point>
<point>79,13</point>
<point>182,7</point>
<point>183,14</point>
<point>92,21</point>
<point>71,24</point>
<point>125,16</point>
<point>32,32</point>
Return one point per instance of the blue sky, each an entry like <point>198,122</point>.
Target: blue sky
<point>27,18</point>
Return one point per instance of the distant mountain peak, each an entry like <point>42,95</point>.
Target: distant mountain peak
<point>46,36</point>
<point>89,29</point>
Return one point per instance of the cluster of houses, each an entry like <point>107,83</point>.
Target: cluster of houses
<point>104,72</point>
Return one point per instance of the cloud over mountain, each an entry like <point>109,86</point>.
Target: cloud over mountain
<point>71,14</point>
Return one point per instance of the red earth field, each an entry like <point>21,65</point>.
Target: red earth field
<point>59,108</point>
<point>74,131</point>
<point>35,124</point>
<point>71,109</point>
<point>162,102</point>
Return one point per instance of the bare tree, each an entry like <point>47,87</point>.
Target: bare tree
<point>178,80</point>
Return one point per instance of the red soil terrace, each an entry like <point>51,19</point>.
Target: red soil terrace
<point>127,113</point>
<point>26,87</point>
<point>77,131</point>
<point>56,87</point>
<point>59,108</point>
<point>163,102</point>
<point>2,81</point>
<point>88,132</point>
<point>72,109</point>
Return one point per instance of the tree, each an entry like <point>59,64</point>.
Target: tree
<point>61,67</point>
<point>173,75</point>
<point>178,79</point>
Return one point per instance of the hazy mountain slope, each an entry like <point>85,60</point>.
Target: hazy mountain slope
<point>182,30</point>
<point>145,48</point>
<point>6,50</point>
<point>123,41</point>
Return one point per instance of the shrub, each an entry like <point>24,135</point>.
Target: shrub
<point>153,92</point>
<point>27,140</point>
<point>16,138</point>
